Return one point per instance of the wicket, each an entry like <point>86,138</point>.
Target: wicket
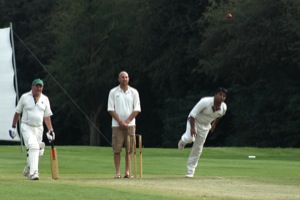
<point>131,148</point>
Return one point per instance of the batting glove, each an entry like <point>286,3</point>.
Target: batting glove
<point>50,136</point>
<point>13,133</point>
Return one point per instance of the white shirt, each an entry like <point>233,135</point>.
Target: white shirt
<point>204,114</point>
<point>123,103</point>
<point>33,113</point>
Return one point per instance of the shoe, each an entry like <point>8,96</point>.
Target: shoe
<point>26,171</point>
<point>189,175</point>
<point>126,176</point>
<point>34,176</point>
<point>181,145</point>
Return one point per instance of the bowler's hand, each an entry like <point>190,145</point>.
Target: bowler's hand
<point>12,133</point>
<point>193,132</point>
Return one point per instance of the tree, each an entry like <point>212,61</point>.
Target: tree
<point>30,20</point>
<point>92,42</point>
<point>170,32</point>
<point>175,53</point>
<point>256,54</point>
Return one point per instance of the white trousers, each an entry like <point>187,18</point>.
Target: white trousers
<point>33,137</point>
<point>199,141</point>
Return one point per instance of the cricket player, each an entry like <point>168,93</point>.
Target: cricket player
<point>35,109</point>
<point>208,110</point>
<point>123,106</point>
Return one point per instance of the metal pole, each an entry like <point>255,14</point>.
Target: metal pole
<point>16,78</point>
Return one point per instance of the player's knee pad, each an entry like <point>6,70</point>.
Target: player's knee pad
<point>42,148</point>
<point>33,147</point>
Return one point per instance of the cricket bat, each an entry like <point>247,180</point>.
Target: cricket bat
<point>53,162</point>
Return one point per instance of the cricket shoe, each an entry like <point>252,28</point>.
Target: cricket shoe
<point>181,145</point>
<point>26,171</point>
<point>189,175</point>
<point>34,176</point>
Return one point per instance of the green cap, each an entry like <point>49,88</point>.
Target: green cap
<point>38,82</point>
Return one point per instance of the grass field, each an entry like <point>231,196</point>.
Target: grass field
<point>223,173</point>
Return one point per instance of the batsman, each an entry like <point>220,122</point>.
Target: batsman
<point>35,109</point>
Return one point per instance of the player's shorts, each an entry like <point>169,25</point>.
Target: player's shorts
<point>119,137</point>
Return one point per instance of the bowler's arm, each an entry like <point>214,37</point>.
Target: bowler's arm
<point>192,123</point>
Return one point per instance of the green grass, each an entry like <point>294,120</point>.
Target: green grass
<point>222,173</point>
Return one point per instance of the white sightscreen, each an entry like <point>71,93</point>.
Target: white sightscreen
<point>7,90</point>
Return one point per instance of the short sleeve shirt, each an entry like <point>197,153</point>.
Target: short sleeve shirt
<point>123,103</point>
<point>204,114</point>
<point>33,113</point>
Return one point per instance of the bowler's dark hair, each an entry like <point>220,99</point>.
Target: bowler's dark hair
<point>221,89</point>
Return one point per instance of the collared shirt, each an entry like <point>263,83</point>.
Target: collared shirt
<point>33,113</point>
<point>204,113</point>
<point>123,103</point>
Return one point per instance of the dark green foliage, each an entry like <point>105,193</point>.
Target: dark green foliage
<point>175,53</point>
<point>29,19</point>
<point>91,49</point>
<point>255,53</point>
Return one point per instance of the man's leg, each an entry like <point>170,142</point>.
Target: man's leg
<point>26,169</point>
<point>33,157</point>
<point>117,144</point>
<point>129,150</point>
<point>186,138</point>
<point>32,144</point>
<point>195,153</point>
<point>117,160</point>
<point>127,164</point>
